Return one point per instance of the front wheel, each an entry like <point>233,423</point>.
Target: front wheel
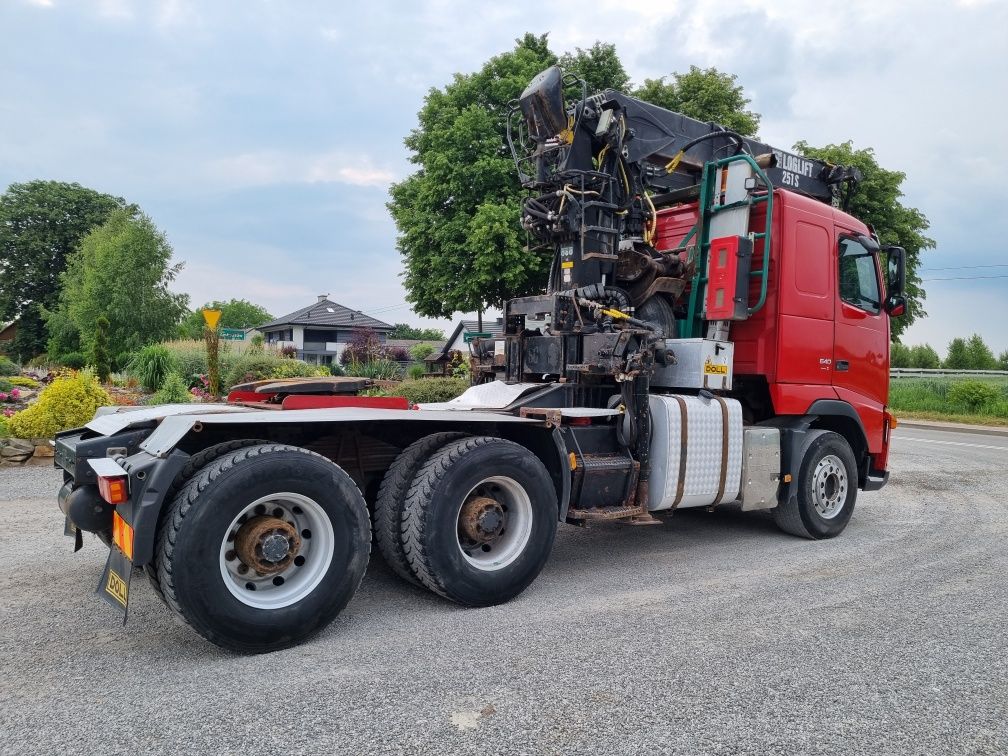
<point>826,489</point>
<point>479,520</point>
<point>263,547</point>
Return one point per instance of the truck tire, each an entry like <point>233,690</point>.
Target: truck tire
<point>826,489</point>
<point>479,521</point>
<point>191,467</point>
<point>263,547</point>
<point>391,499</point>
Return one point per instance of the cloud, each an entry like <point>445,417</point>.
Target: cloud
<point>237,124</point>
<point>279,167</point>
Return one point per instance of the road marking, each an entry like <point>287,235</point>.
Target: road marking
<point>951,443</point>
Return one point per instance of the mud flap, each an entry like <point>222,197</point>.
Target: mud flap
<point>115,581</point>
<point>72,531</point>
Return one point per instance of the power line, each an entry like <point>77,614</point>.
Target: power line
<point>964,278</point>
<point>965,267</point>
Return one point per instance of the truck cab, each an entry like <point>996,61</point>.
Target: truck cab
<point>823,334</point>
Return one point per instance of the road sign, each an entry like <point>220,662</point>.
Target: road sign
<point>469,336</point>
<point>232,334</point>
<point>212,318</point>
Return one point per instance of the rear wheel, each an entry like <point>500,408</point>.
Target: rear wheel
<point>263,547</point>
<point>391,499</point>
<point>191,467</point>
<point>826,489</point>
<point>479,521</point>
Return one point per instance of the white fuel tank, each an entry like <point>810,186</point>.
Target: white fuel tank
<point>696,451</point>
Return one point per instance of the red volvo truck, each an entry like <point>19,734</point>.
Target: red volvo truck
<point>715,332</point>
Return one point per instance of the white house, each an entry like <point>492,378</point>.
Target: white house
<point>320,331</point>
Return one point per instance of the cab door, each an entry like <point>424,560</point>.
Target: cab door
<point>861,326</point>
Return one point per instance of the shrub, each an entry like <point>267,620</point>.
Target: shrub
<point>288,351</point>
<point>257,367</point>
<point>174,390</point>
<point>5,385</point>
<point>23,381</point>
<point>364,346</point>
<point>428,389</point>
<point>40,361</point>
<point>899,355</point>
<point>336,369</point>
<point>120,361</point>
<point>73,360</point>
<point>420,351</point>
<point>972,395</point>
<point>151,365</point>
<point>924,356</point>
<point>458,364</point>
<point>4,427</point>
<point>399,354</point>
<point>385,370</point>
<point>416,371</point>
<point>68,402</point>
<point>8,367</point>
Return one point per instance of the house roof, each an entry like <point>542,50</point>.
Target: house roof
<point>494,327</point>
<point>329,314</point>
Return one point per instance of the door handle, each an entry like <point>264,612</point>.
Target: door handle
<point>842,366</point>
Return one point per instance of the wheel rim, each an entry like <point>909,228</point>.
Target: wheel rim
<point>494,523</point>
<point>277,550</point>
<point>829,486</point>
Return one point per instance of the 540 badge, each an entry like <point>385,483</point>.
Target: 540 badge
<point>115,581</point>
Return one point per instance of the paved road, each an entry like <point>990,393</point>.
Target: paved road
<point>714,633</point>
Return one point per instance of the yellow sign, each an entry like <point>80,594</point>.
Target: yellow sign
<point>212,318</point>
<point>116,587</point>
<point>713,368</point>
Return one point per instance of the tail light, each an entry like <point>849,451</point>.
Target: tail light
<point>113,480</point>
<point>113,488</point>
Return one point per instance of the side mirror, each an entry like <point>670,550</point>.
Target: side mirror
<point>895,306</point>
<point>895,272</point>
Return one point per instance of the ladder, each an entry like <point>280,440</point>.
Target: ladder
<point>726,189</point>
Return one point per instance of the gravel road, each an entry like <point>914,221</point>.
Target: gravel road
<point>713,633</point>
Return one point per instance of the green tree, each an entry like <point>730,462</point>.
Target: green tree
<point>958,357</point>
<point>30,339</point>
<point>41,223</point>
<point>465,180</point>
<point>1003,360</point>
<point>980,355</point>
<point>876,201</point>
<point>925,357</point>
<point>899,356</point>
<point>705,94</point>
<point>406,331</point>
<point>458,214</point>
<point>599,66</point>
<point>235,313</point>
<point>121,272</point>
<point>100,350</point>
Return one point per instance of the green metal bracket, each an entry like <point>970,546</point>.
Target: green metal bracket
<point>694,326</point>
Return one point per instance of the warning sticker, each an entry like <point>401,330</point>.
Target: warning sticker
<point>714,368</point>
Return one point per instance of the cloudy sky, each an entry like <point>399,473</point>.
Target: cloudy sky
<point>262,136</point>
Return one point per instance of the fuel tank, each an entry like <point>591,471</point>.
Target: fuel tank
<point>696,450</point>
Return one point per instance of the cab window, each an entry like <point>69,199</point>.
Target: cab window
<point>859,284</point>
